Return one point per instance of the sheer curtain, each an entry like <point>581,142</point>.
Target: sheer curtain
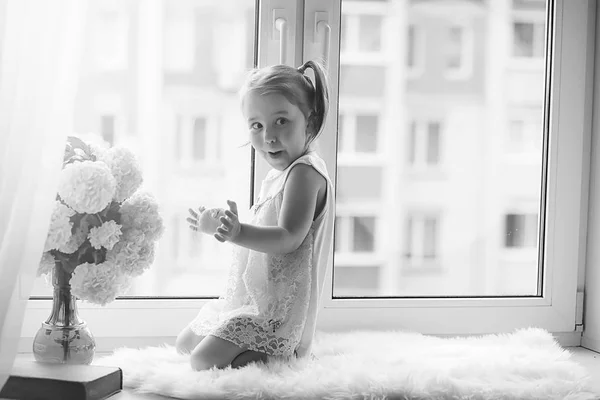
<point>40,51</point>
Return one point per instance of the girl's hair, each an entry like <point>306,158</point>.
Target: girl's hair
<point>298,89</point>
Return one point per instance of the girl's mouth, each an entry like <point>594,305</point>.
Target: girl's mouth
<point>275,154</point>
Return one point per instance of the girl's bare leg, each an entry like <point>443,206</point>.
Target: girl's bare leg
<point>214,352</point>
<point>187,341</point>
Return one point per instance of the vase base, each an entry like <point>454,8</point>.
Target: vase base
<point>64,345</point>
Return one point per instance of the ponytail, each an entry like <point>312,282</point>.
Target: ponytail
<point>321,96</point>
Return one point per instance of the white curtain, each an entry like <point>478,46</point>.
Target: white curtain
<point>40,52</point>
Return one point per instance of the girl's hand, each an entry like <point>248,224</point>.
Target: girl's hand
<point>231,227</point>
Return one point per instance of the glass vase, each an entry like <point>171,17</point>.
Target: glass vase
<point>64,338</point>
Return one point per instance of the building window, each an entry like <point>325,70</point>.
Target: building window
<point>107,128</point>
<point>199,139</point>
<point>355,234</point>
<point>525,133</point>
<point>424,143</point>
<point>528,39</point>
<point>458,52</point>
<point>421,238</point>
<point>415,46</point>
<point>520,230</point>
<point>361,33</point>
<point>196,141</point>
<point>359,133</point>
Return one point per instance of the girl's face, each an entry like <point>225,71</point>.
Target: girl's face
<point>278,128</point>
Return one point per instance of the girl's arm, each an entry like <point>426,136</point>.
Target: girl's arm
<point>297,213</point>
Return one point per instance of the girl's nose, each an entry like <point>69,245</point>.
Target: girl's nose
<point>270,136</point>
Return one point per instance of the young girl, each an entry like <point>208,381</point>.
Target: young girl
<point>277,274</point>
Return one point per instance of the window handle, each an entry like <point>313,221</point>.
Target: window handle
<point>281,26</point>
<point>323,30</point>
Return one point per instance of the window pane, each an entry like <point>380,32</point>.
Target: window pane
<point>454,49</point>
<point>411,45</point>
<point>430,238</point>
<point>364,234</point>
<point>199,139</point>
<point>523,39</point>
<point>108,128</point>
<point>366,133</point>
<point>433,143</point>
<point>443,144</point>
<point>168,84</point>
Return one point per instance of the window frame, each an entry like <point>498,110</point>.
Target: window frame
<point>465,70</point>
<point>147,321</point>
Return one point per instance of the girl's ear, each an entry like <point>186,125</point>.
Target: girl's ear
<point>311,125</point>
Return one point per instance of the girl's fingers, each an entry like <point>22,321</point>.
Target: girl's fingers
<point>193,213</point>
<point>194,228</point>
<point>232,206</point>
<point>219,237</point>
<point>228,224</point>
<point>192,221</point>
<point>231,215</point>
<point>223,231</point>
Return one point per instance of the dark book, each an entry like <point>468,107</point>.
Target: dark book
<point>30,380</point>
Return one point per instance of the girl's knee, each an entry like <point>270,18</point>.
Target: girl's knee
<point>186,341</point>
<point>199,363</point>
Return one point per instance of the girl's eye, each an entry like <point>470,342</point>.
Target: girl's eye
<point>281,121</point>
<point>255,126</point>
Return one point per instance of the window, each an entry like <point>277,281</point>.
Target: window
<point>528,39</point>
<point>196,141</point>
<point>199,139</point>
<point>520,230</point>
<point>375,197</point>
<point>424,143</point>
<point>459,49</point>
<point>421,239</point>
<point>355,234</point>
<point>358,133</point>
<point>415,50</point>
<point>363,33</point>
<point>525,134</point>
<point>108,128</point>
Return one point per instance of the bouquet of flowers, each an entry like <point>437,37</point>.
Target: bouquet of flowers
<point>103,230</point>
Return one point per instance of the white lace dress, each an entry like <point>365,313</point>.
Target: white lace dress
<point>271,300</point>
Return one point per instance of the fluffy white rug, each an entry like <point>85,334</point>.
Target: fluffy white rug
<point>527,364</point>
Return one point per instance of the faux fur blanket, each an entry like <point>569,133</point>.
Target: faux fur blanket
<point>527,364</point>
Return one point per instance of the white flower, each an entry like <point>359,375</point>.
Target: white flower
<point>87,187</point>
<point>140,211</point>
<point>128,251</point>
<point>46,264</point>
<point>59,231</point>
<point>74,242</point>
<point>125,168</point>
<point>106,235</point>
<point>98,283</point>
<point>95,142</point>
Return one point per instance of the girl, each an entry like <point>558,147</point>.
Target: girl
<point>277,274</point>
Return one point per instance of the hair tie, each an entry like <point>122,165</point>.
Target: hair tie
<point>302,68</point>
